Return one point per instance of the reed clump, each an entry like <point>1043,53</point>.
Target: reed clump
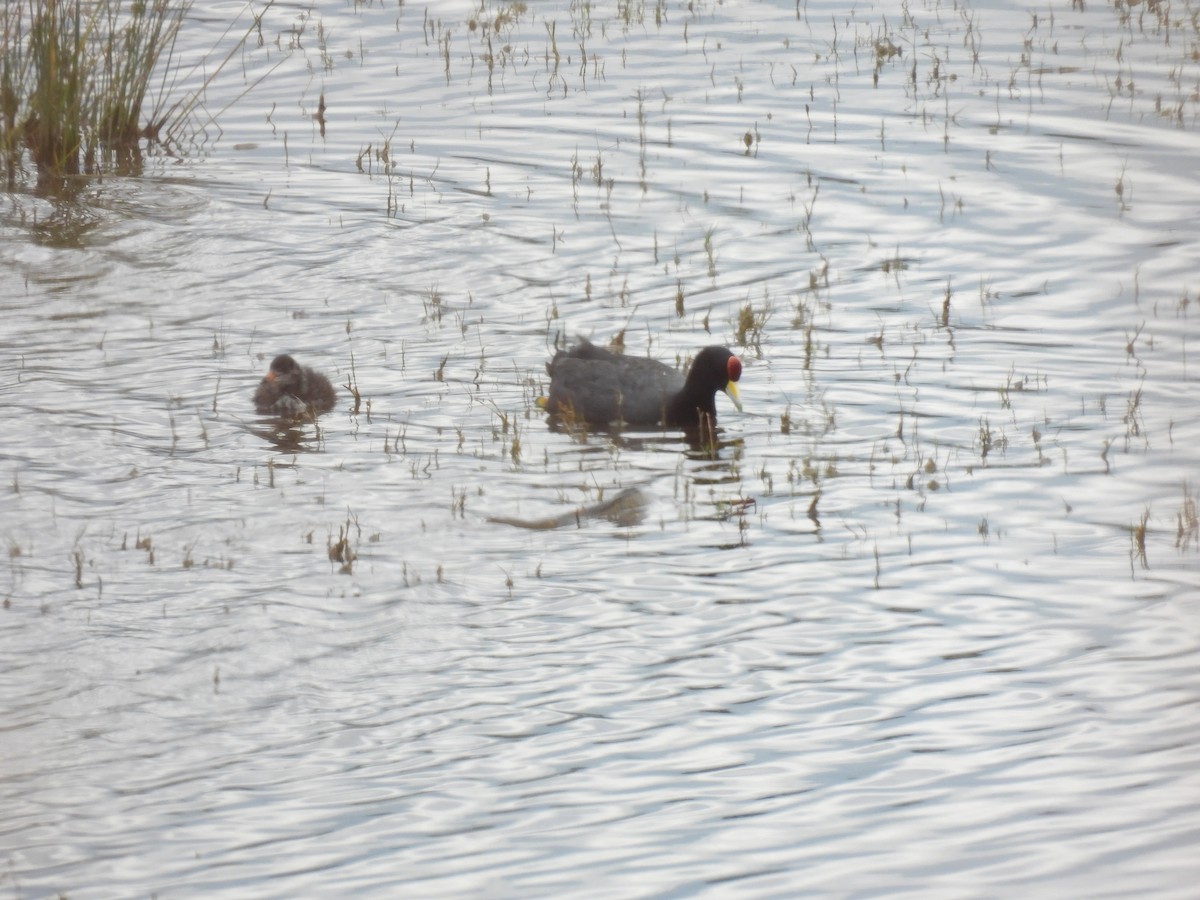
<point>74,75</point>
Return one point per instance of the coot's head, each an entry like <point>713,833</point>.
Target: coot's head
<point>283,369</point>
<point>716,369</point>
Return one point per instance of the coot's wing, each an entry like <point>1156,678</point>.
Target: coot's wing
<point>647,386</point>
<point>584,390</point>
<point>585,349</point>
<point>602,387</point>
<point>317,392</point>
<point>285,406</point>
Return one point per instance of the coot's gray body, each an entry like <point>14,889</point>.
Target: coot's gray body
<point>597,386</point>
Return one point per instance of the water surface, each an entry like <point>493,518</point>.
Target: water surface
<point>924,624</point>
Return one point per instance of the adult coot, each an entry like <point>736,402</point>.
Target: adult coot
<point>290,390</point>
<point>594,385</point>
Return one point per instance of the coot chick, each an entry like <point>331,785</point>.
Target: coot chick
<point>290,391</point>
<point>597,386</point>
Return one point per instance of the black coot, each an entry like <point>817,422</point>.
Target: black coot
<point>290,390</point>
<point>594,385</point>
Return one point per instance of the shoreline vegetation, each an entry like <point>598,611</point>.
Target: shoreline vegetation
<point>88,86</point>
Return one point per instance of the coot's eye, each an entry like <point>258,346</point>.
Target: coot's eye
<point>734,368</point>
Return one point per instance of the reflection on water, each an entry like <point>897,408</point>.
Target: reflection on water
<point>626,509</point>
<point>288,435</point>
<point>921,617</point>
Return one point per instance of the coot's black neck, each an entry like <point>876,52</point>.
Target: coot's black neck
<point>693,407</point>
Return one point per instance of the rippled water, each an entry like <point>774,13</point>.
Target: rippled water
<point>925,624</point>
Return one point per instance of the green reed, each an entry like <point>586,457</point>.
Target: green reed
<point>73,81</point>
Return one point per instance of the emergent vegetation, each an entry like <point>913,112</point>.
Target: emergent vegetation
<point>87,85</point>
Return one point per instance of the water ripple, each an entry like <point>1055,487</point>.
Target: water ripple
<point>921,624</point>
